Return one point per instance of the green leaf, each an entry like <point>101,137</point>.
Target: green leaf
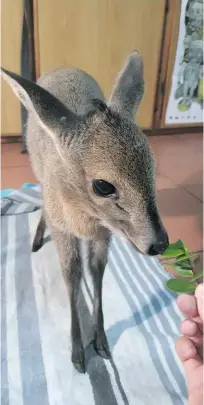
<point>182,272</point>
<point>185,257</point>
<point>185,265</point>
<point>172,253</point>
<point>198,275</point>
<point>175,249</point>
<point>181,286</point>
<point>182,265</point>
<point>197,260</point>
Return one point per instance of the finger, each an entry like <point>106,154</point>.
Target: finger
<point>199,296</point>
<point>188,306</point>
<point>188,354</point>
<point>192,330</point>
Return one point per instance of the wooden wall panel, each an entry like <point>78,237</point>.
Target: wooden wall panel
<point>97,35</point>
<point>11,22</point>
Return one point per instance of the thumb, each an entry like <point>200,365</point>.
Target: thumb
<point>199,292</point>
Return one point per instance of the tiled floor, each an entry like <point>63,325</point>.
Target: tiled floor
<point>179,182</point>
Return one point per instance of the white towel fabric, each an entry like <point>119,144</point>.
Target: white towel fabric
<point>141,322</point>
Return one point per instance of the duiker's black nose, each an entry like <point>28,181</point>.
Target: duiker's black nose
<point>161,244</point>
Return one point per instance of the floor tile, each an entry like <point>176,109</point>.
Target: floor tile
<point>180,158</point>
<point>176,144</point>
<point>195,190</point>
<point>183,171</point>
<point>11,155</point>
<point>163,182</point>
<point>14,177</point>
<point>181,213</point>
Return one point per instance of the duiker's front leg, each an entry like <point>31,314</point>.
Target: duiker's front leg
<point>98,253</point>
<point>69,254</point>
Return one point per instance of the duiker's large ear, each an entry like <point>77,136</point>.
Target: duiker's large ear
<point>51,114</point>
<point>129,88</point>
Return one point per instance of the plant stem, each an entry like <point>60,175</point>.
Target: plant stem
<point>174,258</point>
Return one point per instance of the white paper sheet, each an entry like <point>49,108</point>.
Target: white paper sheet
<point>185,103</point>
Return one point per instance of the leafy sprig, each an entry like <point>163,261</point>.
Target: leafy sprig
<point>183,264</point>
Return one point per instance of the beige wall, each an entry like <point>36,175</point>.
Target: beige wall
<point>96,35</point>
<point>11,21</point>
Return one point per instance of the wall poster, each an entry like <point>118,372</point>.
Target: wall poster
<point>185,104</point>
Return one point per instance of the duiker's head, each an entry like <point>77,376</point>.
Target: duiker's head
<point>111,164</point>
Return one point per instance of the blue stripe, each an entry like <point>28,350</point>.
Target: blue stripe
<point>160,270</point>
<point>177,375</point>
<point>6,192</point>
<point>164,321</point>
<point>175,398</point>
<point>150,279</point>
<point>115,370</point>
<point>34,384</point>
<point>165,294</point>
<point>29,185</point>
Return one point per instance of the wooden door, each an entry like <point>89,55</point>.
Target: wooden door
<point>97,35</point>
<point>11,23</point>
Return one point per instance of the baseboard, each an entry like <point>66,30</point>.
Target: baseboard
<point>173,131</point>
<point>148,132</point>
<point>11,139</point>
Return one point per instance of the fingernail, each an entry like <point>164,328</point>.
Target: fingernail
<point>199,291</point>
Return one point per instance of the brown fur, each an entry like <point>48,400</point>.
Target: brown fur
<point>74,137</point>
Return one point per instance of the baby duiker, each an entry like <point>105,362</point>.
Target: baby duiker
<point>97,174</point>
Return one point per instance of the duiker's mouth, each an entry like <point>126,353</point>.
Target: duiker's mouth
<point>124,234</point>
<point>132,243</point>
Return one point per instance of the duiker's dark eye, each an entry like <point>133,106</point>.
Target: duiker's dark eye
<point>102,188</point>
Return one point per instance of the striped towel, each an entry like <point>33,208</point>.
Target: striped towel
<point>141,322</point>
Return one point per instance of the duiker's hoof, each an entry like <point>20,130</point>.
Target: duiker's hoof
<point>80,367</point>
<point>37,243</point>
<point>78,361</point>
<point>101,345</point>
<point>36,247</point>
